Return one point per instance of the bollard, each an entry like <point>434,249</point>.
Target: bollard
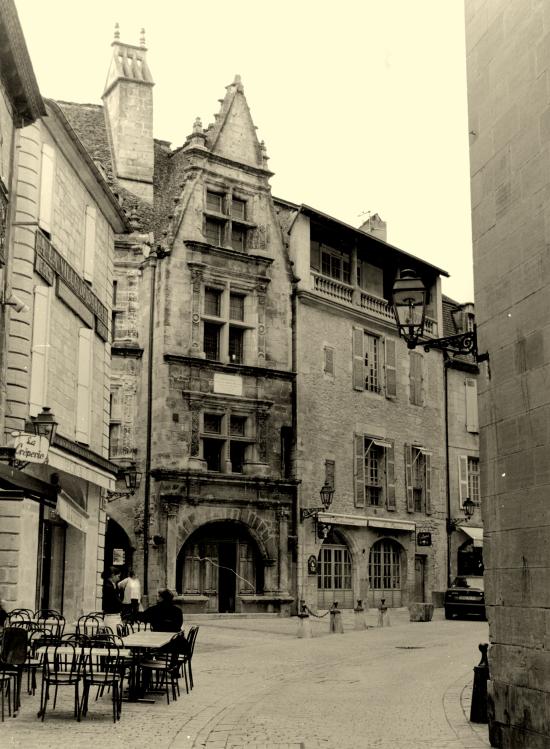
<point>336,624</point>
<point>478,708</point>
<point>383,614</point>
<point>304,625</point>
<point>359,615</point>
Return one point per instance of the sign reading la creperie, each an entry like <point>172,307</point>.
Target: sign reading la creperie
<point>31,448</point>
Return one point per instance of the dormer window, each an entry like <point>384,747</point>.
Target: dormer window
<point>226,220</point>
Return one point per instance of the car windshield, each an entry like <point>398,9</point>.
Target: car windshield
<point>468,582</point>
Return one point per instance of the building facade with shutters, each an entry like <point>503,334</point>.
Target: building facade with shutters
<point>370,420</point>
<point>60,259</point>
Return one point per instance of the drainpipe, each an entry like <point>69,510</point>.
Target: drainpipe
<point>446,365</point>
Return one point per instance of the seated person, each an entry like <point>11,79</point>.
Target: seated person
<point>164,616</point>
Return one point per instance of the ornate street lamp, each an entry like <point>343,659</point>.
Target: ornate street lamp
<point>409,306</point>
<point>327,494</point>
<point>132,479</point>
<point>468,508</point>
<point>43,425</point>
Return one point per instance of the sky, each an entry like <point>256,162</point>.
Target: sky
<point>361,103</point>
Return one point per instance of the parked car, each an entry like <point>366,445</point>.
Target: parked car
<point>465,596</point>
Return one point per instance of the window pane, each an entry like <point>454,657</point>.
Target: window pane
<point>237,426</point>
<point>212,454</point>
<point>371,363</point>
<point>211,341</point>
<point>236,336</point>
<point>212,423</point>
<point>473,479</point>
<point>236,456</point>
<point>238,237</point>
<point>346,270</point>
<point>325,264</point>
<point>238,208</point>
<point>212,299</point>
<point>214,231</point>
<point>214,201</point>
<point>236,307</point>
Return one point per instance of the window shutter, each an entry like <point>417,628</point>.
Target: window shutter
<point>89,243</point>
<point>428,482</point>
<point>358,359</point>
<point>415,378</point>
<point>330,472</point>
<point>359,473</point>
<point>84,385</point>
<point>46,188</point>
<point>462,478</point>
<point>409,478</point>
<point>329,360</point>
<point>391,375</point>
<point>39,353</point>
<point>315,256</point>
<point>390,477</point>
<point>472,421</point>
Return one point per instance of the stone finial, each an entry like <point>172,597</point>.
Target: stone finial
<point>142,38</point>
<point>197,125</point>
<point>238,83</point>
<point>263,152</point>
<point>117,32</point>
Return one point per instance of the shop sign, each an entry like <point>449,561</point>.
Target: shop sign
<point>31,448</point>
<point>424,539</point>
<point>119,557</point>
<point>312,565</point>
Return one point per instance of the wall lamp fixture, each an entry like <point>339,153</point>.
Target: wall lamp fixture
<point>326,493</point>
<point>468,508</point>
<point>132,479</point>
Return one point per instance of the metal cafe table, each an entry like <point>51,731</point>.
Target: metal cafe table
<point>139,643</point>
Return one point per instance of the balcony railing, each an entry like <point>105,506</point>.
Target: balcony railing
<point>373,305</point>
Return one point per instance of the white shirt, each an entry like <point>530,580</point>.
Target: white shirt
<point>132,589</point>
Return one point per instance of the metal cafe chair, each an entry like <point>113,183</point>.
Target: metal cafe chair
<point>62,667</point>
<point>51,620</point>
<point>7,678</point>
<point>164,669</point>
<point>105,671</point>
<point>186,656</point>
<point>20,615</point>
<point>89,625</point>
<point>33,662</point>
<point>13,653</point>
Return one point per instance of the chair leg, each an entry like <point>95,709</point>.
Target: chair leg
<point>77,703</point>
<point>55,697</point>
<point>46,698</point>
<point>190,673</point>
<point>185,677</point>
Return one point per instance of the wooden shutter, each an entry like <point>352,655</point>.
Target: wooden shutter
<point>329,360</point>
<point>315,256</point>
<point>391,375</point>
<point>192,570</point>
<point>390,477</point>
<point>472,421</point>
<point>211,569</point>
<point>89,243</point>
<point>47,171</point>
<point>358,359</point>
<point>359,472</point>
<point>39,354</point>
<point>415,378</point>
<point>84,385</point>
<point>330,473</point>
<point>409,478</point>
<point>462,478</point>
<point>428,482</point>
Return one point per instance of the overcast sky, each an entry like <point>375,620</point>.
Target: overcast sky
<point>361,103</point>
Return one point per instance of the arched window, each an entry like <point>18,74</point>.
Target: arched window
<point>334,574</point>
<point>385,578</point>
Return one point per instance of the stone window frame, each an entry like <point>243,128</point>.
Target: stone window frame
<point>226,438</point>
<point>229,223</point>
<point>225,323</point>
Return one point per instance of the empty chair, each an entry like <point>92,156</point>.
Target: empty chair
<point>164,669</point>
<point>51,620</point>
<point>13,654</point>
<point>103,670</point>
<point>62,667</point>
<point>186,656</point>
<point>89,624</point>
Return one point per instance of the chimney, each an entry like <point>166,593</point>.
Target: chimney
<point>375,226</point>
<point>128,100</point>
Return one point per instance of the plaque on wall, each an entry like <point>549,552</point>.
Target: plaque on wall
<point>228,384</point>
<point>423,539</point>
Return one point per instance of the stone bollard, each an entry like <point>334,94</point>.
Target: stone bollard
<point>359,615</point>
<point>304,625</point>
<point>383,614</point>
<point>478,708</point>
<point>421,612</point>
<point>336,624</point>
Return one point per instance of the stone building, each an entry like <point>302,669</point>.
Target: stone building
<point>370,420</point>
<point>508,63</point>
<point>59,268</point>
<point>460,375</point>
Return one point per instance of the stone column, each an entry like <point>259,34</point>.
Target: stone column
<point>171,507</point>
<point>261,290</point>
<point>195,459</point>
<point>282,517</point>
<point>196,281</point>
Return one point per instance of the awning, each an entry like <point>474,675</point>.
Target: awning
<point>476,534</point>
<point>392,525</point>
<point>80,468</point>
<point>34,488</point>
<point>71,512</point>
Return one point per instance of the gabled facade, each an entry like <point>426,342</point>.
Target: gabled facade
<point>370,420</point>
<point>58,358</point>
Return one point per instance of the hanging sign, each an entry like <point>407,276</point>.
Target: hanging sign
<point>31,448</point>
<point>423,539</point>
<point>312,565</point>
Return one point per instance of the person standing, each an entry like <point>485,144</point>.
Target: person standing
<point>112,605</point>
<point>131,588</point>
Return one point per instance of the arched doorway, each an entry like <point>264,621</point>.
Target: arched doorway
<point>118,548</point>
<point>386,573</point>
<point>334,573</point>
<point>221,561</point>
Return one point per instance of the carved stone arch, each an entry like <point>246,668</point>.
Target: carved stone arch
<point>254,524</point>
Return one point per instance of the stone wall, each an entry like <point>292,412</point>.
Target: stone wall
<point>508,56</point>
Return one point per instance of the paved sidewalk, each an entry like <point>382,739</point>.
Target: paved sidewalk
<point>258,685</point>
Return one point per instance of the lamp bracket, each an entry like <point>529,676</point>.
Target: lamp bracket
<point>453,523</point>
<point>7,455</point>
<point>462,343</point>
<point>109,496</point>
<point>310,512</point>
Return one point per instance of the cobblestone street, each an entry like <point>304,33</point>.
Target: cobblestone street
<point>257,685</point>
